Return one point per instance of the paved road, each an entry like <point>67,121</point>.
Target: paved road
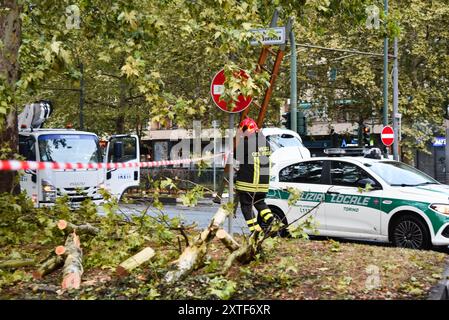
<point>201,214</point>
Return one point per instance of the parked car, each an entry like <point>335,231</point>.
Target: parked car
<point>364,198</point>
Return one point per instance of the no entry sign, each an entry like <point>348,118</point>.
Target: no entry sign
<point>217,88</point>
<point>387,136</point>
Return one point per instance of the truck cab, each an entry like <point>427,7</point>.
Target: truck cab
<point>286,146</point>
<point>71,146</point>
<point>61,145</point>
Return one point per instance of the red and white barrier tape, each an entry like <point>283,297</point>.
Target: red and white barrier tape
<point>14,165</point>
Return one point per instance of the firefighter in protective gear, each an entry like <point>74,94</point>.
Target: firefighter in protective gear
<point>253,154</point>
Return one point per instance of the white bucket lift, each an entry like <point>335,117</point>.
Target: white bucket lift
<point>34,115</point>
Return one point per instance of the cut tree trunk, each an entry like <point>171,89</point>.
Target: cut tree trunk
<point>133,262</point>
<point>16,263</point>
<point>73,267</point>
<point>79,229</point>
<point>228,241</point>
<point>192,257</point>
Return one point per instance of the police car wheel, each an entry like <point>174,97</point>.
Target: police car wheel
<point>410,232</point>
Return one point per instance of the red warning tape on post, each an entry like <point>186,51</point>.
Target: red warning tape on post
<point>14,165</point>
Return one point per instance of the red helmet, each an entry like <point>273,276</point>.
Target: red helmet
<point>248,125</point>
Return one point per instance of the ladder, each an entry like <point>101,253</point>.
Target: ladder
<point>266,56</point>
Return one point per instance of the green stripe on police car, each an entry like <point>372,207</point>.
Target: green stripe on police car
<point>386,205</point>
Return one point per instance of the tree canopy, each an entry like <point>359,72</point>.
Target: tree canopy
<point>154,60</point>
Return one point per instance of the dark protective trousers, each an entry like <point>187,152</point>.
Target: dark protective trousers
<point>256,199</point>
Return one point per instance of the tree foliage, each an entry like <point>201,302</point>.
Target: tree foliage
<point>154,60</point>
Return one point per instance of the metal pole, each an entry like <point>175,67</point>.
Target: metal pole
<point>81,96</point>
<point>395,102</point>
<point>351,51</point>
<point>385,91</point>
<point>293,86</point>
<point>446,151</point>
<point>231,168</point>
<point>214,126</point>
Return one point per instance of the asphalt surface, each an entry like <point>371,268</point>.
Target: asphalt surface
<point>201,215</point>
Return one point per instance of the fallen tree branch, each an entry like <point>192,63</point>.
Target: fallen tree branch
<point>244,254</point>
<point>228,241</point>
<point>192,257</point>
<point>16,263</point>
<point>80,229</point>
<point>50,264</point>
<point>136,260</point>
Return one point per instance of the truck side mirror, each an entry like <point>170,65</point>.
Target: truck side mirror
<point>117,150</point>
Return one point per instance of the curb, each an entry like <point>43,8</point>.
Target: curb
<point>441,290</point>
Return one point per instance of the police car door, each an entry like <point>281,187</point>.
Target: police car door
<point>122,149</point>
<point>350,210</point>
<point>307,177</point>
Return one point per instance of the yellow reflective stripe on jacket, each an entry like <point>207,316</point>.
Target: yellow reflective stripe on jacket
<point>250,185</point>
<point>252,188</point>
<point>256,173</point>
<point>247,184</point>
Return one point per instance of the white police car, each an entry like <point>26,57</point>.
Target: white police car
<point>404,206</point>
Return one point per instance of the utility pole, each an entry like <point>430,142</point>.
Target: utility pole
<point>293,85</point>
<point>385,93</point>
<point>231,169</point>
<point>395,102</point>
<point>81,96</point>
<point>215,126</point>
<point>446,150</point>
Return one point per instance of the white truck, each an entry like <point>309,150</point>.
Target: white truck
<point>69,145</point>
<point>286,145</point>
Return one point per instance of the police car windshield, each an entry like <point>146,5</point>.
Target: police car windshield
<point>75,148</point>
<point>399,174</point>
<point>277,141</point>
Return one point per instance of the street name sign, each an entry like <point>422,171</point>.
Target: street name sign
<point>270,36</point>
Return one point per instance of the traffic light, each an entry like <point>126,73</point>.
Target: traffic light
<point>366,136</point>
<point>286,120</point>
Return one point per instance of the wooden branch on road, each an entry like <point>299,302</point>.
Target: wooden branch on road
<point>16,263</point>
<point>133,262</point>
<point>228,241</point>
<point>193,256</point>
<point>79,229</point>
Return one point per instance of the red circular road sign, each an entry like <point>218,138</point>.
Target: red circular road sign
<point>387,136</point>
<point>216,90</point>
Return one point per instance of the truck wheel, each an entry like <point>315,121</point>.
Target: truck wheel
<point>411,232</point>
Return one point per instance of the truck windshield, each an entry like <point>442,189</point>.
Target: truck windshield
<point>399,174</point>
<point>75,148</point>
<point>283,140</point>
